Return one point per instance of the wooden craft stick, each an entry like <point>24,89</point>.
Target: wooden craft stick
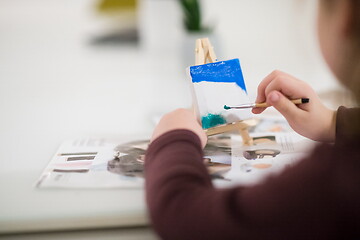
<point>199,53</point>
<point>209,50</point>
<point>235,126</point>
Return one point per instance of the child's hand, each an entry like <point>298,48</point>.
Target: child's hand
<point>312,120</point>
<point>179,119</point>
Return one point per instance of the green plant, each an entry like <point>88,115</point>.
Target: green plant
<point>192,15</point>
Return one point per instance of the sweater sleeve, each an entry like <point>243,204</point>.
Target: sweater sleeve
<point>347,123</point>
<point>183,204</point>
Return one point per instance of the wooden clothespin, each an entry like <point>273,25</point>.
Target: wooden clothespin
<point>204,53</point>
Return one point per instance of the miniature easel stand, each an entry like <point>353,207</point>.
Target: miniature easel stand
<point>204,52</point>
<point>242,127</point>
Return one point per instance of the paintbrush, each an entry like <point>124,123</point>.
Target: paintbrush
<point>264,104</point>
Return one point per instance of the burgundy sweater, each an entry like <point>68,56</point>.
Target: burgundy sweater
<point>319,198</point>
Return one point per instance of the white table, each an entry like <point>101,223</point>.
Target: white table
<point>54,85</point>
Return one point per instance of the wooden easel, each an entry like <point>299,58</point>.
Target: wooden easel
<point>204,52</point>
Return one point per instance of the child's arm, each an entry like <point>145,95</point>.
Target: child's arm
<point>301,203</point>
<point>312,120</point>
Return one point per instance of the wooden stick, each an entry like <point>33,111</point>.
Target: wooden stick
<point>210,53</point>
<point>206,49</point>
<point>295,101</point>
<point>235,126</point>
<point>199,53</point>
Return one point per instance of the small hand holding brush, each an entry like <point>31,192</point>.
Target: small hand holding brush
<point>264,104</point>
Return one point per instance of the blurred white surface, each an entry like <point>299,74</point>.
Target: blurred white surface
<point>55,85</point>
<point>104,234</point>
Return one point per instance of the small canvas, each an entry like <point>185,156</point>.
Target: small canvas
<point>215,85</point>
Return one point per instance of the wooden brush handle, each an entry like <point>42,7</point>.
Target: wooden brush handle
<point>295,101</point>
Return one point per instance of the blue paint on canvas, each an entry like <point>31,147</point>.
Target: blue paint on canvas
<point>224,71</point>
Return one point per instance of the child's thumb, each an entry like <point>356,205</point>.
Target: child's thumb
<point>288,109</point>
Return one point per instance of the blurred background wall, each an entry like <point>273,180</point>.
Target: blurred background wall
<point>265,35</point>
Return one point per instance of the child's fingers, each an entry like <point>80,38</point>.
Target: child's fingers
<point>276,74</point>
<point>179,119</point>
<point>291,89</point>
<point>262,86</point>
<point>261,96</point>
<point>288,109</point>
<point>258,110</point>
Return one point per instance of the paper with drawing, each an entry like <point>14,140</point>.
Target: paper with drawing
<point>100,163</point>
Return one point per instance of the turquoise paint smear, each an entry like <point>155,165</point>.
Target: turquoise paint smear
<point>211,120</point>
<point>224,71</point>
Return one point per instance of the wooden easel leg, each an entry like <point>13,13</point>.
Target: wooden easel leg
<point>237,126</point>
<point>247,140</point>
